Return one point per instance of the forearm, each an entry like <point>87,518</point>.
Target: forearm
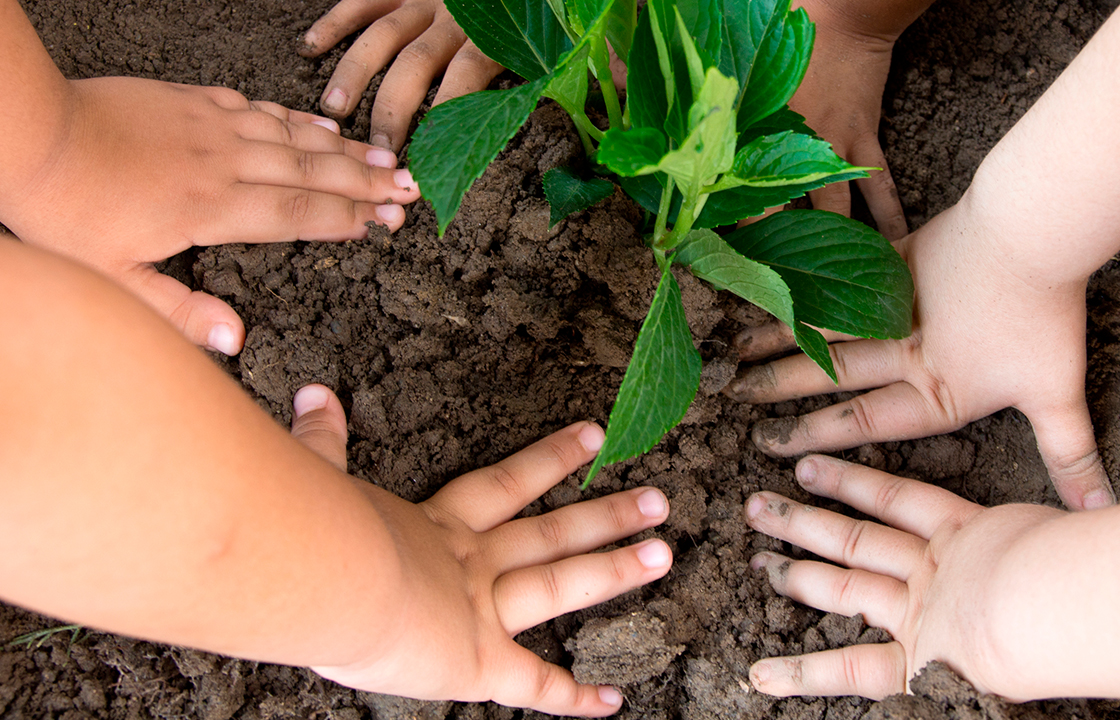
<point>1053,608</point>
<point>1049,192</point>
<point>142,492</point>
<point>34,102</point>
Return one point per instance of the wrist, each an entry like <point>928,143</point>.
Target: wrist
<point>864,20</point>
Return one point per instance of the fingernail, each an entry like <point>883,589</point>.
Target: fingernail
<point>222,339</point>
<point>776,431</point>
<point>310,38</point>
<point>380,157</point>
<point>654,554</point>
<point>651,503</point>
<point>755,505</point>
<point>591,437</point>
<point>806,472</point>
<point>308,398</point>
<point>328,124</point>
<point>335,101</point>
<point>760,561</point>
<point>610,696</point>
<point>761,673</point>
<point>381,140</point>
<point>403,179</point>
<point>1096,499</point>
<point>390,214</point>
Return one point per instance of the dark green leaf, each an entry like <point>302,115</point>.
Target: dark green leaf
<point>458,139</point>
<point>781,120</point>
<point>815,346</point>
<point>632,152</point>
<point>729,206</point>
<point>622,18</point>
<point>569,83</point>
<point>659,384</point>
<point>785,159</point>
<point>522,35</point>
<point>843,275</point>
<point>587,13</point>
<point>646,191</point>
<point>567,193</point>
<point>646,97</point>
<point>711,258</point>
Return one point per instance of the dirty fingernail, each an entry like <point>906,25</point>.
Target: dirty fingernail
<point>403,179</point>
<point>308,398</point>
<point>761,672</point>
<point>1099,498</point>
<point>654,554</point>
<point>591,437</point>
<point>380,140</point>
<point>776,431</point>
<point>806,472</point>
<point>390,214</point>
<point>651,503</point>
<point>760,561</point>
<point>610,696</point>
<point>380,157</point>
<point>310,38</point>
<point>222,339</point>
<point>335,101</point>
<point>755,505</point>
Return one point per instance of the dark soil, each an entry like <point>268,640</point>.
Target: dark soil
<point>453,352</point>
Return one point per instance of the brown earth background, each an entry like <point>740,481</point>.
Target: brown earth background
<point>455,352</point>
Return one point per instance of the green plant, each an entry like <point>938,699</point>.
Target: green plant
<point>706,138</point>
<point>37,638</point>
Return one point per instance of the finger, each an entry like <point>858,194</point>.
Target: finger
<point>530,682</point>
<point>223,97</point>
<point>1069,449</point>
<point>343,19</point>
<point>871,671</point>
<point>279,214</point>
<point>530,596</point>
<point>326,173</point>
<point>896,412</point>
<point>881,600</point>
<point>859,365</point>
<point>469,71</point>
<point>409,78</point>
<point>371,52</point>
<point>280,112</point>
<point>490,496</point>
<point>203,319</point>
<point>836,198</point>
<point>578,528</point>
<point>772,338</point>
<point>273,125</point>
<point>319,422</point>
<point>881,195</point>
<point>853,543</point>
<point>914,507</point>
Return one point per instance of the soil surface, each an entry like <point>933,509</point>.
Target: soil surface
<point>453,352</point>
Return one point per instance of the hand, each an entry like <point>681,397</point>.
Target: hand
<point>974,350</point>
<point>143,170</point>
<point>426,41</point>
<point>929,579</point>
<point>477,577</point>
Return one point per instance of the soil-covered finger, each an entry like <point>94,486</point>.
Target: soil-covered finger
<point>469,71</point>
<point>341,20</point>
<point>759,343</point>
<point>871,671</point>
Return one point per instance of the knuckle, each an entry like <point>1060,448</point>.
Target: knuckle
<point>862,416</point>
<point>846,590</point>
<point>417,52</point>
<point>550,587</point>
<point>887,495</point>
<point>305,165</point>
<point>297,207</point>
<point>853,541</point>
<point>553,531</point>
<point>391,25</point>
<point>617,516</point>
<point>850,662</point>
<point>617,568</point>
<point>546,683</point>
<point>506,481</point>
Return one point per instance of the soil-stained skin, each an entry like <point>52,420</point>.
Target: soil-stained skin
<point>450,353</point>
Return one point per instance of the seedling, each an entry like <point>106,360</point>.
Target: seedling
<point>38,638</point>
<point>706,138</point>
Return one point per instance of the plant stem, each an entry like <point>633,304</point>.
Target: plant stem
<point>585,126</point>
<point>685,218</point>
<point>663,213</point>
<point>602,61</point>
<point>588,147</point>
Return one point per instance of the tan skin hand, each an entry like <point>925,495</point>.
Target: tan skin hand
<point>929,575</point>
<point>425,40</point>
<point>141,170</point>
<point>479,576</point>
<point>975,349</point>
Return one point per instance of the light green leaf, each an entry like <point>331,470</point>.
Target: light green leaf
<point>458,139</point>
<point>709,148</point>
<point>842,274</point>
<point>569,83</point>
<point>567,193</point>
<point>729,206</point>
<point>712,259</point>
<point>785,159</point>
<point>522,35</point>
<point>659,384</point>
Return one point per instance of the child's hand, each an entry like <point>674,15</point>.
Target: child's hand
<point>425,40</point>
<point>986,337</point>
<point>142,170</point>
<point>475,577</point>
<point>949,579</point>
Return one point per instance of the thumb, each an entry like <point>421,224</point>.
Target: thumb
<point>203,319</point>
<point>1069,449</point>
<point>319,422</point>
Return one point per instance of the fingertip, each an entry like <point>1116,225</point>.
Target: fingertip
<point>335,102</point>
<point>309,398</point>
<point>225,339</point>
<point>654,555</point>
<point>807,471</point>
<point>381,140</point>
<point>611,697</point>
<point>1096,499</point>
<point>328,124</point>
<point>653,504</point>
<point>392,216</point>
<point>760,674</point>
<point>382,158</point>
<point>591,437</point>
<point>769,435</point>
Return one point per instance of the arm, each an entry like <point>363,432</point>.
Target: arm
<point>1005,266</point>
<point>148,169</point>
<point>141,492</point>
<point>1018,599</point>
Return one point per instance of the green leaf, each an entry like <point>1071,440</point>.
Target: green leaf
<point>567,193</point>
<point>712,259</point>
<point>636,151</point>
<point>622,19</point>
<point>778,121</point>
<point>766,48</point>
<point>659,384</point>
<point>843,275</point>
<point>785,159</point>
<point>569,83</point>
<point>729,206</point>
<point>587,14</point>
<point>815,346</point>
<point>646,191</point>
<point>709,148</point>
<point>458,139</point>
<point>522,35</point>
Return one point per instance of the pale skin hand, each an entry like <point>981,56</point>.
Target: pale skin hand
<point>992,275</point>
<point>120,173</point>
<point>424,39</point>
<point>1016,599</point>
